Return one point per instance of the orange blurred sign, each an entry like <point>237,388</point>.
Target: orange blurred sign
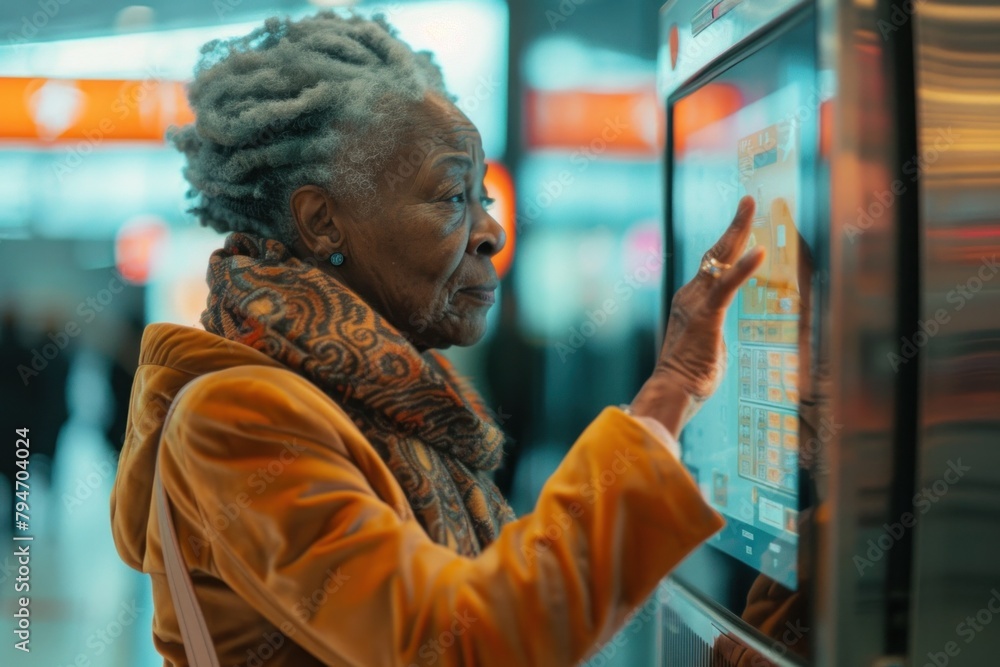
<point>624,122</point>
<point>92,109</point>
<point>711,104</point>
<point>500,187</point>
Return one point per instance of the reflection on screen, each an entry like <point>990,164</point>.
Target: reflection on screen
<point>743,446</point>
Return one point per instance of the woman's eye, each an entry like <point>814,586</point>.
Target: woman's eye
<point>459,198</point>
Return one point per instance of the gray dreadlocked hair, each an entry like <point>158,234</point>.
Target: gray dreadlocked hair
<point>320,100</point>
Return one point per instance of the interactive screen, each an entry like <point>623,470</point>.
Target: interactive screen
<point>731,139</point>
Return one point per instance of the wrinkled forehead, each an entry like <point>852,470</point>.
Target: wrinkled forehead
<point>441,127</point>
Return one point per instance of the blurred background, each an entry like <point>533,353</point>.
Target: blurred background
<point>95,243</point>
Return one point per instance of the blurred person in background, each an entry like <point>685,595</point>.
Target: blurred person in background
<point>512,366</point>
<point>48,409</point>
<point>15,403</point>
<point>328,473</point>
<point>35,371</point>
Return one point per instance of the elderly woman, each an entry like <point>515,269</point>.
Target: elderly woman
<point>328,473</point>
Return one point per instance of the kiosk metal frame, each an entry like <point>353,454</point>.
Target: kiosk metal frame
<point>909,524</point>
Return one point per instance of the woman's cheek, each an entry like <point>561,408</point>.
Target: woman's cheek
<point>444,258</point>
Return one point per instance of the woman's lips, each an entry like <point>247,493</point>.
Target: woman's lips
<point>483,295</point>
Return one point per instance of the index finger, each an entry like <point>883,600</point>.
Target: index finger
<point>729,248</point>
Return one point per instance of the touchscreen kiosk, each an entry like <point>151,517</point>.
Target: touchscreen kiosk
<point>751,129</point>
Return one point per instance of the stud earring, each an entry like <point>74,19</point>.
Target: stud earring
<point>337,258</point>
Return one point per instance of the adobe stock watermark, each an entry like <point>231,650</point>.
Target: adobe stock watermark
<point>407,164</point>
<point>259,480</point>
<point>484,90</point>
<point>562,12</point>
<point>810,451</point>
<point>792,122</point>
<point>923,501</point>
<point>99,641</point>
<point>634,622</point>
<point>792,635</point>
<point>236,166</point>
<point>307,606</point>
<point>597,318</point>
<point>500,418</point>
<point>87,310</point>
<point>431,650</point>
<point>89,483</point>
<point>122,107</point>
<point>223,7</point>
<point>32,23</point>
<point>590,491</point>
<point>909,346</point>
<point>274,640</point>
<point>901,13</point>
<point>914,168</point>
<point>968,629</point>
<point>552,189</point>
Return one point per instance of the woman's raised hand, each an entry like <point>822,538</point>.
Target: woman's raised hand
<point>693,357</point>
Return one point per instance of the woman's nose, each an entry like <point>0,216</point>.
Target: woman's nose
<point>488,236</point>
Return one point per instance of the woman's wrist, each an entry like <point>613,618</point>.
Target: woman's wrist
<point>664,400</point>
<point>656,428</point>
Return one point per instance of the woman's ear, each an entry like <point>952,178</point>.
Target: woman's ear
<point>317,220</point>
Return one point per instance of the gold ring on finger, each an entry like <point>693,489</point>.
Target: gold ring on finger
<point>714,267</point>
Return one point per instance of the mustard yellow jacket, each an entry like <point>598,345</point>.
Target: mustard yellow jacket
<point>304,551</point>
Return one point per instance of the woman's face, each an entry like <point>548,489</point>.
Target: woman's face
<point>422,258</point>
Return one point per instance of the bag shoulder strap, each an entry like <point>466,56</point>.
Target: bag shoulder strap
<point>198,644</point>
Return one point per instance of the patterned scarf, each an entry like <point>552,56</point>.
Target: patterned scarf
<point>427,423</point>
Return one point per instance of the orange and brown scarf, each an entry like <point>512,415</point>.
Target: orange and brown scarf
<point>427,423</point>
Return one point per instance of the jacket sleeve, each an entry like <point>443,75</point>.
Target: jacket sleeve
<point>308,543</point>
